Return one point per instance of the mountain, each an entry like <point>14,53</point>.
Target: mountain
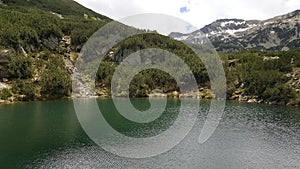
<point>40,42</point>
<point>61,7</point>
<point>278,33</point>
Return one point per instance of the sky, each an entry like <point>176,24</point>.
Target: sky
<point>196,12</point>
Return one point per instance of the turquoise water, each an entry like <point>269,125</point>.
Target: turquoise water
<point>48,135</point>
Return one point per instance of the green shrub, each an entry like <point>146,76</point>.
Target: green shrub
<point>26,88</point>
<point>278,93</point>
<point>5,94</point>
<point>55,83</point>
<point>21,67</point>
<point>258,81</point>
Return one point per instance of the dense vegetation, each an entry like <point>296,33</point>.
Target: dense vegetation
<point>152,79</point>
<point>63,7</point>
<point>266,76</point>
<point>34,29</point>
<point>33,38</point>
<point>271,76</point>
<point>37,69</point>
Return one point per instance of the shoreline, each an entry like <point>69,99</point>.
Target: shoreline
<point>6,102</point>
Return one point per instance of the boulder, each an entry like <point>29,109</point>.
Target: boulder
<point>157,93</point>
<point>239,91</point>
<point>175,94</point>
<point>272,103</point>
<point>281,103</point>
<point>252,101</point>
<point>3,86</point>
<point>51,43</point>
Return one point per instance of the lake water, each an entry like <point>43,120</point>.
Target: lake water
<point>49,135</point>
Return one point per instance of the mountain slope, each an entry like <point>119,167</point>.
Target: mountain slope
<point>63,7</point>
<point>279,33</point>
<point>38,41</point>
<point>38,50</point>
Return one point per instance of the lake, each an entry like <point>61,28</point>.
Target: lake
<point>49,135</point>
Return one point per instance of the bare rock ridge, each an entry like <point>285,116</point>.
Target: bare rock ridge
<point>278,33</point>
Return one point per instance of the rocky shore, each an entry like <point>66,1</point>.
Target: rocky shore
<point>203,94</point>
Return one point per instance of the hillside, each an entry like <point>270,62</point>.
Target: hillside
<point>33,28</point>
<point>278,33</point>
<point>35,44</point>
<point>63,7</point>
<point>38,49</point>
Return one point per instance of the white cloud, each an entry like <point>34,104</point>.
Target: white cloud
<point>199,13</point>
<point>164,24</point>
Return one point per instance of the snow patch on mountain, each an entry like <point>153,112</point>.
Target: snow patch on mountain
<point>278,33</point>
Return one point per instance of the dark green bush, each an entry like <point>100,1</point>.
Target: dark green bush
<point>5,94</point>
<point>21,67</point>
<point>258,81</point>
<point>278,93</point>
<point>26,88</point>
<point>55,83</point>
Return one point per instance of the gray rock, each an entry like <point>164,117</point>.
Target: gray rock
<point>4,80</point>
<point>51,43</point>
<point>281,103</point>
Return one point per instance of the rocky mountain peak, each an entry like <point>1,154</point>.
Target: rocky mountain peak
<point>278,33</point>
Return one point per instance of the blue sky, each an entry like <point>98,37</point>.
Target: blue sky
<point>197,12</point>
<point>184,9</point>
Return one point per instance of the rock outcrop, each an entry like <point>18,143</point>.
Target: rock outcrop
<point>229,35</point>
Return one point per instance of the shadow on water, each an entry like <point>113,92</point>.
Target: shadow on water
<point>139,130</point>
